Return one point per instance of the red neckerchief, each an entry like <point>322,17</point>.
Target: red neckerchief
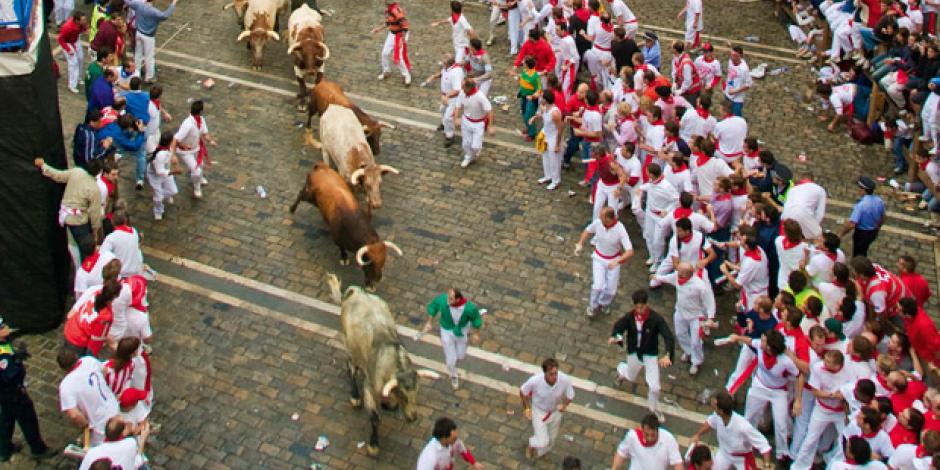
<point>480,52</point>
<point>641,316</point>
<point>583,14</point>
<point>161,148</point>
<point>681,168</point>
<point>727,116</point>
<point>809,315</point>
<point>607,27</point>
<point>832,340</point>
<point>454,18</point>
<point>787,244</point>
<point>706,59</point>
<point>156,102</point>
<point>459,303</point>
<point>641,67</point>
<point>89,262</point>
<point>471,92</point>
<point>702,112</point>
<point>700,158</point>
<point>856,358</point>
<point>923,165</point>
<point>686,239</point>
<point>870,435</point>
<point>668,100</point>
<point>769,361</point>
<point>722,196</point>
<point>682,281</point>
<point>564,33</point>
<point>837,283</point>
<point>739,192</point>
<point>753,254</point>
<point>639,437</point>
<point>124,228</point>
<point>610,225</point>
<point>658,180</point>
<point>660,122</point>
<point>804,180</point>
<point>107,184</point>
<point>919,452</point>
<point>627,88</point>
<point>671,140</point>
<point>624,119</point>
<point>682,212</point>
<point>596,13</point>
<point>850,461</point>
<point>592,108</point>
<point>831,256</point>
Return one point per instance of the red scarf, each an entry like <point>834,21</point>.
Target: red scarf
<point>156,102</point>
<point>919,452</point>
<point>607,27</point>
<point>90,261</point>
<point>203,154</point>
<point>700,158</point>
<point>454,18</point>
<point>480,52</point>
<point>107,184</point>
<point>753,254</point>
<point>459,303</point>
<point>124,228</point>
<point>681,212</point>
<point>753,154</point>
<point>583,14</point>
<point>471,92</point>
<point>682,281</point>
<point>639,437</point>
<point>671,140</point>
<point>739,192</point>
<point>831,256</point>
<point>668,100</point>
<point>722,196</point>
<point>686,239</point>
<point>702,112</point>
<point>660,122</point>
<point>787,244</point>
<point>611,224</point>
<point>680,168</point>
<point>804,180</point>
<point>641,316</point>
<point>769,361</point>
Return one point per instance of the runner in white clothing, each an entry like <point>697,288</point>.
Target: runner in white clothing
<point>161,176</point>
<point>695,304</point>
<point>698,122</point>
<point>88,273</point>
<point>451,75</point>
<point>709,68</point>
<point>738,80</point>
<point>84,396</point>
<point>462,32</point>
<point>600,32</point>
<point>188,145</point>
<point>840,98</point>
<point>694,24</point>
<point>545,398</point>
<point>737,438</point>
<point>441,451</point>
<point>751,274</point>
<point>612,248</point>
<point>648,447</point>
<point>124,242</point>
<point>730,133</point>
<point>474,115</point>
<point>825,379</point>
<point>624,17</point>
<point>806,204</point>
<point>553,131</point>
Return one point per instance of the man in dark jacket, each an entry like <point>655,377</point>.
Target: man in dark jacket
<point>86,145</point>
<point>15,404</point>
<point>641,328</point>
<point>623,49</point>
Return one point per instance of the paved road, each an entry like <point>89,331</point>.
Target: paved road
<point>231,378</point>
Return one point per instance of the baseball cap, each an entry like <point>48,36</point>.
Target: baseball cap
<point>835,327</point>
<point>651,36</point>
<point>866,183</point>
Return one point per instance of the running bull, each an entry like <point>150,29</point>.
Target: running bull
<point>380,371</point>
<point>306,46</point>
<point>325,93</point>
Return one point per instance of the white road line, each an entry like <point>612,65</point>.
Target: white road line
<point>173,36</point>
<point>333,338</point>
<point>473,351</point>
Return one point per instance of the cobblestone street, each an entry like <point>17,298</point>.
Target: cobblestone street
<point>240,348</point>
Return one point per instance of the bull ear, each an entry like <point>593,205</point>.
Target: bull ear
<point>244,34</point>
<point>389,169</point>
<point>389,386</point>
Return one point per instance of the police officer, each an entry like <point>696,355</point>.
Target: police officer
<point>15,404</point>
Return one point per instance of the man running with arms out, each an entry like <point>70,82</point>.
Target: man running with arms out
<point>457,315</point>
<point>648,447</point>
<point>737,438</point>
<point>545,397</point>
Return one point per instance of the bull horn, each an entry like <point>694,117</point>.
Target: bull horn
<point>428,374</point>
<point>362,251</point>
<point>228,5</point>
<point>274,36</point>
<point>389,169</point>
<point>389,386</point>
<point>387,124</point>
<point>293,47</point>
<point>244,34</point>
<point>354,177</point>
<point>394,247</point>
<point>327,56</point>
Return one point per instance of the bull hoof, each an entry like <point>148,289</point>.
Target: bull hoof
<point>372,450</point>
<point>355,402</point>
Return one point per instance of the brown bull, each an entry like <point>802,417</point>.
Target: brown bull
<point>260,22</point>
<point>325,93</point>
<point>350,227</point>
<point>307,47</point>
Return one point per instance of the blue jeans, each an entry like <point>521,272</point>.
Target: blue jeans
<point>140,156</point>
<point>898,148</point>
<point>714,268</point>
<point>574,143</point>
<point>736,108</point>
<point>868,38</point>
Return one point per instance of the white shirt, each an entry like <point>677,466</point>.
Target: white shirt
<point>738,436</point>
<point>123,454</point>
<point>547,397</point>
<point>776,377</point>
<point>90,278</point>
<point>694,298</point>
<point>460,29</point>
<point>655,135</point>
<point>871,465</point>
<point>691,251</point>
<point>859,369</point>
<point>700,223</point>
<point>706,174</point>
<point>621,12</point>
<point>592,121</point>
<point>567,50</point>
<point>842,96</point>
<point>631,166</point>
<point>819,266</point>
<point>754,275</point>
<point>153,125</point>
<point>476,106</point>
<point>609,242</point>
<point>905,458</point>
<point>692,125</point>
<point>435,456</point>
<point>789,259</point>
<point>692,8</point>
<point>189,133</point>
<point>452,79</point>
<point>602,37</point>
<point>84,388</point>
<point>661,197</point>
<point>160,166</point>
<point>682,180</point>
<point>822,379</point>
<point>731,132</point>
<point>638,83</point>
<point>708,71</point>
<point>126,247</point>
<point>879,443</point>
<point>739,76</point>
<point>809,196</point>
<point>138,324</point>
<point>662,455</point>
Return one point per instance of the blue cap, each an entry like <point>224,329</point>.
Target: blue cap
<point>935,81</point>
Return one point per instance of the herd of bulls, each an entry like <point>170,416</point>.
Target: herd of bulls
<point>380,371</point>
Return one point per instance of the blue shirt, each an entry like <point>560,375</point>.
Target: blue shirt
<point>137,104</point>
<point>868,213</point>
<point>148,17</point>
<point>125,140</point>
<point>651,54</point>
<point>102,94</point>
<point>760,326</point>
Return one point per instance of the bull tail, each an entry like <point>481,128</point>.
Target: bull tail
<point>335,286</point>
<point>305,194</point>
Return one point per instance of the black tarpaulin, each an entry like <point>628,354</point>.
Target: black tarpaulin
<point>35,266</point>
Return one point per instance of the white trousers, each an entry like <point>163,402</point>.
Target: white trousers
<point>745,358</point>
<point>455,349</point>
<point>551,161</point>
<point>515,35</point>
<point>75,62</point>
<point>164,187</point>
<point>143,56</point>
<point>447,117</point>
<point>631,28</point>
<point>472,133</point>
<point>195,171</point>
<point>630,369</point>
<point>894,90</point>
<point>62,10</point>
<point>688,338</point>
<point>388,55</point>
<point>819,421</point>
<point>758,397</point>
<point>544,430</point>
<point>484,87</point>
<point>801,424</point>
<point>807,220</point>
<point>598,62</point>
<point>152,141</point>
<point>650,222</point>
<point>495,13</point>
<point>604,197</point>
<point>605,280</point>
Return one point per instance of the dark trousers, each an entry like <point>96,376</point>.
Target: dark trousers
<point>17,407</point>
<point>79,233</point>
<point>714,268</point>
<point>861,240</point>
<point>574,144</point>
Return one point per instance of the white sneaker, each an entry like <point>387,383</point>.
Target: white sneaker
<point>544,180</point>
<point>203,180</point>
<point>169,200</point>
<point>382,76</point>
<point>454,383</point>
<point>649,261</point>
<point>197,193</point>
<point>693,370</point>
<point>407,80</point>
<point>553,186</point>
<point>466,162</point>
<point>158,217</point>
<point>894,184</point>
<point>73,90</point>
<point>685,358</point>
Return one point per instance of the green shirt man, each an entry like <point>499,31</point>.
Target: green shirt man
<point>455,315</point>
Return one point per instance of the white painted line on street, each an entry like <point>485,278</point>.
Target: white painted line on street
<point>333,338</point>
<point>473,351</point>
<point>173,36</point>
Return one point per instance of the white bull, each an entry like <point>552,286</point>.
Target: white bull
<point>307,47</point>
<point>344,144</point>
<point>260,24</point>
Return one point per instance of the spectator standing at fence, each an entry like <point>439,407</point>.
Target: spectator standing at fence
<point>80,209</point>
<point>867,217</point>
